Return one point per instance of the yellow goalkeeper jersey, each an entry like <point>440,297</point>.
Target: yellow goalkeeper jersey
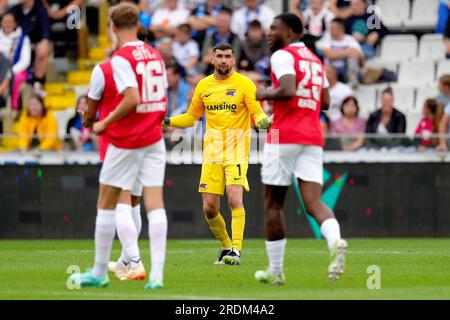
<point>228,105</point>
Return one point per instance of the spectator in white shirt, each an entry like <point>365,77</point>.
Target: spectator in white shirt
<point>253,10</point>
<point>317,18</point>
<point>16,47</point>
<point>185,49</point>
<point>342,51</point>
<point>338,93</point>
<point>151,6</point>
<point>166,19</point>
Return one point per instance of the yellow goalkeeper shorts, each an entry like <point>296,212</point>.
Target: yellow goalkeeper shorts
<point>215,176</point>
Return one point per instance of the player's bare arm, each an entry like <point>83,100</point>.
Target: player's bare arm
<point>325,99</point>
<point>284,92</point>
<point>129,102</point>
<point>89,115</point>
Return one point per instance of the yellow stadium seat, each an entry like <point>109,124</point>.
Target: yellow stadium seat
<point>55,87</point>
<point>60,102</point>
<point>84,64</point>
<point>103,41</point>
<point>78,77</point>
<point>97,53</point>
<point>11,142</point>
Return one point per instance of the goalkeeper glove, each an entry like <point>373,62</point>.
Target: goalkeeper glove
<point>166,122</point>
<point>265,123</point>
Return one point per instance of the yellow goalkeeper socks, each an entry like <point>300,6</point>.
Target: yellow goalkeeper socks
<point>237,227</point>
<point>219,229</point>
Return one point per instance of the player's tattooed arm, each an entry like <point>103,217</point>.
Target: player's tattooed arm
<point>285,91</point>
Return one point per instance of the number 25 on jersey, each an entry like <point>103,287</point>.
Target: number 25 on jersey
<point>309,87</point>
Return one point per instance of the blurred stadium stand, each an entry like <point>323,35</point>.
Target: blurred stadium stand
<point>412,51</point>
<point>378,181</point>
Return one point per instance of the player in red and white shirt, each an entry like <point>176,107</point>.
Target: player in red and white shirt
<point>136,150</point>
<point>294,147</point>
<point>102,99</point>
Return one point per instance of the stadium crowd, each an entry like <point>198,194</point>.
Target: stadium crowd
<point>184,31</point>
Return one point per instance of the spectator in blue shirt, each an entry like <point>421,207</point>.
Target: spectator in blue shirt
<point>443,15</point>
<point>365,27</point>
<point>202,19</point>
<point>79,137</point>
<point>340,8</point>
<point>144,17</point>
<point>58,10</point>
<point>177,93</point>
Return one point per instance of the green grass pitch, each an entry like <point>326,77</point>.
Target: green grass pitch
<point>410,269</point>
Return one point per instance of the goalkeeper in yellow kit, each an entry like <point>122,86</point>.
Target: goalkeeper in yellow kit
<point>228,99</point>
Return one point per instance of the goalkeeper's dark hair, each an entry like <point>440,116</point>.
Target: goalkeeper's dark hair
<point>292,21</point>
<point>223,46</point>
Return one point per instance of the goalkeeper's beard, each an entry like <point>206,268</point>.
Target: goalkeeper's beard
<point>223,72</point>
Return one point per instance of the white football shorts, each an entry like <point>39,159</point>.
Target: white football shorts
<point>132,169</point>
<point>282,162</point>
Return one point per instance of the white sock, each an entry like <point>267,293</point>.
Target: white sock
<point>275,251</point>
<point>137,219</point>
<point>331,231</point>
<point>126,230</point>
<point>124,260</point>
<point>105,230</point>
<point>157,230</point>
